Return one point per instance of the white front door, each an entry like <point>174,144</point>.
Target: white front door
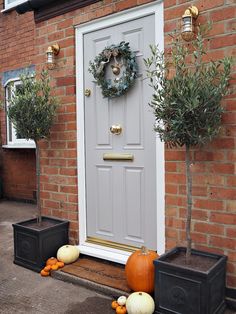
<point>121,195</point>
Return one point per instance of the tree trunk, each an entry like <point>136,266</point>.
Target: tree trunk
<point>39,216</point>
<point>189,204</point>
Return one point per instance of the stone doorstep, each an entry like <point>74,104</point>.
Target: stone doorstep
<point>106,290</point>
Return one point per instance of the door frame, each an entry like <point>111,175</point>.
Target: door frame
<point>91,249</point>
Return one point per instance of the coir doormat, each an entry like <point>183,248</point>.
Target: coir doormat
<point>99,271</point>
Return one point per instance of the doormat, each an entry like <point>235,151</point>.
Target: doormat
<point>99,271</point>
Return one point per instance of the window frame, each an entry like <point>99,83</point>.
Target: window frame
<point>12,140</point>
<point>8,6</point>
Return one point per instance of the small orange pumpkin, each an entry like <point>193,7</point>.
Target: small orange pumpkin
<point>139,270</point>
<point>47,268</point>
<point>121,309</point>
<point>114,304</point>
<point>51,261</point>
<point>54,267</point>
<point>44,273</point>
<point>60,264</point>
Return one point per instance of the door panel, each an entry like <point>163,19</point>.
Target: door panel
<point>104,202</point>
<point>134,203</point>
<point>133,112</point>
<point>102,119</point>
<point>121,195</point>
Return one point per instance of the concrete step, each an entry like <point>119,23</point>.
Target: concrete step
<point>103,289</point>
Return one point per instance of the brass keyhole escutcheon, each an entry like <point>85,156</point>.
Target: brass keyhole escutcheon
<point>116,129</point>
<point>87,92</point>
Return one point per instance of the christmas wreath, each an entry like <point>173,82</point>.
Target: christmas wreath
<point>122,56</point>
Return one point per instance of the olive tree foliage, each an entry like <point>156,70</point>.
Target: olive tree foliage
<point>32,110</point>
<point>186,100</point>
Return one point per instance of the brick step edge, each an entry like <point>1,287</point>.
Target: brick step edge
<point>106,290</point>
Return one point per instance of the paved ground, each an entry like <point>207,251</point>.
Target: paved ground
<point>24,291</point>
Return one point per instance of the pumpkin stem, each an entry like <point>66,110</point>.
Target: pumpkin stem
<point>144,250</point>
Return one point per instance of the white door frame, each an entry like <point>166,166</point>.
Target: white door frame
<point>115,255</point>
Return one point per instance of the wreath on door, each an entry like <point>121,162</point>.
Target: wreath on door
<point>123,66</point>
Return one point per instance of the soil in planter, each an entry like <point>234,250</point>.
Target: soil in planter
<point>197,262</point>
<point>44,224</point>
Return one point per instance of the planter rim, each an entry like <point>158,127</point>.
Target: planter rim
<point>23,224</point>
<point>217,257</point>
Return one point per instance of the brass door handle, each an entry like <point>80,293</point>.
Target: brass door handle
<point>87,92</point>
<point>116,129</point>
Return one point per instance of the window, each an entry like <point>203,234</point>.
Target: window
<point>13,3</point>
<point>14,139</point>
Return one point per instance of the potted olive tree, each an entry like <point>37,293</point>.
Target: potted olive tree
<point>187,106</point>
<point>32,110</point>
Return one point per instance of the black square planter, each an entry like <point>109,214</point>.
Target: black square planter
<point>34,245</point>
<point>182,290</point>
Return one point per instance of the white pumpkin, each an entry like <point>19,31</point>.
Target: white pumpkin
<point>121,300</point>
<point>68,254</point>
<point>140,303</point>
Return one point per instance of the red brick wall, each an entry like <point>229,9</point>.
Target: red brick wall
<point>19,174</point>
<point>214,167</point>
<point>17,50</point>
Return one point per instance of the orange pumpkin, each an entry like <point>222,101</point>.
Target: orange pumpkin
<point>44,273</point>
<point>139,270</point>
<point>114,304</point>
<point>47,268</point>
<point>121,309</point>
<point>51,261</point>
<point>55,267</point>
<point>60,264</point>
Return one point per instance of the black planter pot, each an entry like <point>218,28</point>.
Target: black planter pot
<point>33,245</point>
<point>183,290</point>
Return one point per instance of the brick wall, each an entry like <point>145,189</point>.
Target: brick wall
<point>17,50</point>
<point>214,167</point>
<point>19,174</point>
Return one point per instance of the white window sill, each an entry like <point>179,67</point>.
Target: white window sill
<point>19,146</point>
<point>7,10</point>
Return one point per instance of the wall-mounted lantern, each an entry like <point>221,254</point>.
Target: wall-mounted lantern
<point>51,52</point>
<point>188,23</point>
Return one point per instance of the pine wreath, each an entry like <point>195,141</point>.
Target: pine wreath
<point>119,85</point>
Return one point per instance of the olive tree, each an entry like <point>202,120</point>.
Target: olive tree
<point>32,110</point>
<point>186,100</point>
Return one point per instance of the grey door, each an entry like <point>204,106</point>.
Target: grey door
<point>120,195</point>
